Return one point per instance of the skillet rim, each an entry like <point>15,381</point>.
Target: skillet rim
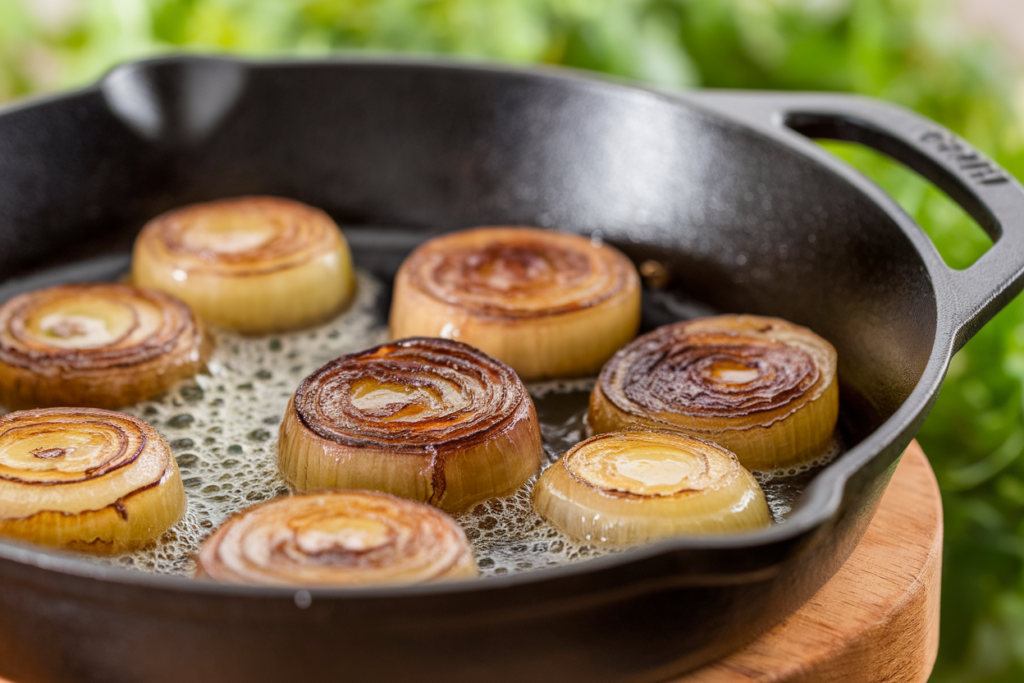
<point>820,501</point>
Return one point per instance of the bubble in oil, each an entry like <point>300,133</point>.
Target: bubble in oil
<point>783,486</point>
<point>222,429</point>
<point>507,535</point>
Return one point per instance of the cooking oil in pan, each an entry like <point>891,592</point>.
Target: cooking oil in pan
<point>222,427</point>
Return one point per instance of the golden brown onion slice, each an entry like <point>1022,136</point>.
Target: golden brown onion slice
<point>549,304</point>
<point>634,486</point>
<point>429,419</point>
<point>87,479</point>
<point>340,538</point>
<point>100,345</point>
<point>252,264</point>
<point>761,387</point>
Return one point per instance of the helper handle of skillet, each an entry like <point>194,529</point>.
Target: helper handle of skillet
<point>993,197</point>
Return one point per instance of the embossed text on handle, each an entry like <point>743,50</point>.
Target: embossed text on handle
<point>966,158</point>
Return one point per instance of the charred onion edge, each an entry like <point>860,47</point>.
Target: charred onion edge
<point>658,343</point>
<point>500,377</point>
<point>731,344</point>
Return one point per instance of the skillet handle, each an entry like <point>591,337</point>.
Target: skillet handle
<point>985,191</point>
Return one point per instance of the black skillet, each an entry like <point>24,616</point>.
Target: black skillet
<point>745,212</point>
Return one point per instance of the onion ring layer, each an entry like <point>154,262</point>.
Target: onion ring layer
<point>251,264</point>
<point>342,538</point>
<point>634,486</point>
<point>429,419</point>
<point>549,304</point>
<point>99,345</point>
<point>761,387</point>
<point>92,480</point>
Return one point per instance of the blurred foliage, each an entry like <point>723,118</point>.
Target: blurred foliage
<point>908,51</point>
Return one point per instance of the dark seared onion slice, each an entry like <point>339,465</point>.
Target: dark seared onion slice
<point>633,486</point>
<point>252,264</point>
<point>429,419</point>
<point>340,538</point>
<point>761,387</point>
<point>88,479</point>
<point>100,345</point>
<point>549,304</point>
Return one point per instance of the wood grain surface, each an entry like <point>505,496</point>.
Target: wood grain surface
<point>877,620</point>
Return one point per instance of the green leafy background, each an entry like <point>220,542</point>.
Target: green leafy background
<point>912,52</point>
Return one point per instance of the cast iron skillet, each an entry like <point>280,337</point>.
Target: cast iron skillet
<point>722,188</point>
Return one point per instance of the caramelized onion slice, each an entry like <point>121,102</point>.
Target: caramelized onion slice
<point>429,419</point>
<point>549,304</point>
<point>634,486</point>
<point>99,345</point>
<point>341,538</point>
<point>87,479</point>
<point>251,264</point>
<point>761,387</point>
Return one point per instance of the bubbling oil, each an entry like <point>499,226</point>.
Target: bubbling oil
<point>222,427</point>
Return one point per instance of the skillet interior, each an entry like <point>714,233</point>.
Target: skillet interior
<point>743,223</point>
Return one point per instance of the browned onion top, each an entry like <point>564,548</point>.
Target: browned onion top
<point>68,445</point>
<point>338,538</point>
<point>241,236</point>
<point>147,324</point>
<point>675,369</point>
<point>411,394</point>
<point>519,272</point>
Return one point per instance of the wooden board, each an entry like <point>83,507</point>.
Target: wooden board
<point>877,620</point>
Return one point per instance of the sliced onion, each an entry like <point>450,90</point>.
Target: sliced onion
<point>761,387</point>
<point>252,264</point>
<point>99,345</point>
<point>549,304</point>
<point>634,486</point>
<point>428,419</point>
<point>87,479</point>
<point>342,538</point>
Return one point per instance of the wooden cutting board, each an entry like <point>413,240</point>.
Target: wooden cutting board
<point>877,620</point>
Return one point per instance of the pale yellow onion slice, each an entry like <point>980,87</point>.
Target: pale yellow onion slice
<point>86,479</point>
<point>429,419</point>
<point>98,345</point>
<point>251,264</point>
<point>549,304</point>
<point>341,538</point>
<point>628,487</point>
<point>761,387</point>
